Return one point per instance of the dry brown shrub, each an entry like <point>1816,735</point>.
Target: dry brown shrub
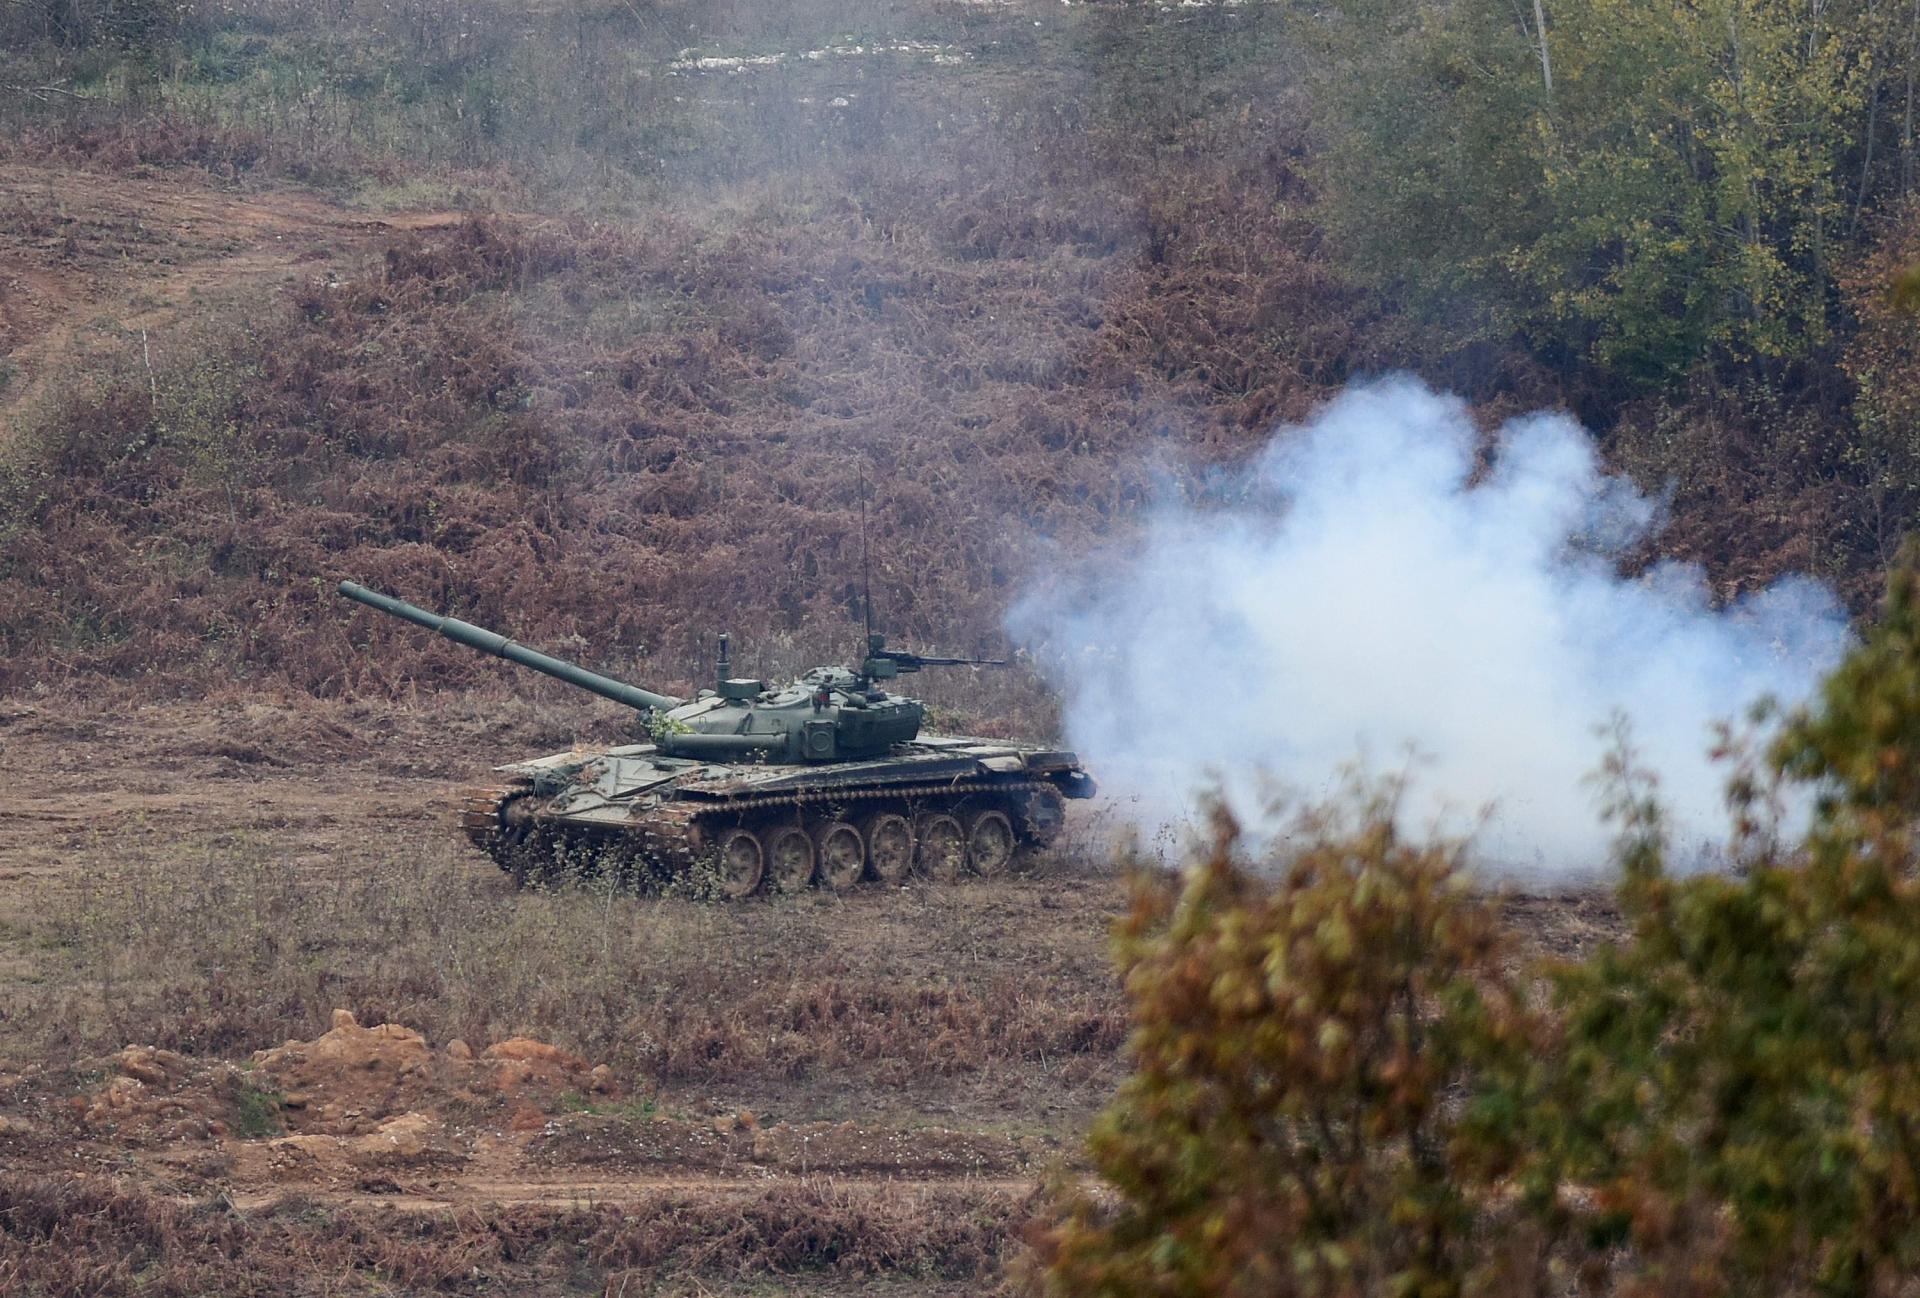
<point>618,442</point>
<point>1757,488</point>
<point>816,1226</point>
<point>84,1238</point>
<point>122,143</point>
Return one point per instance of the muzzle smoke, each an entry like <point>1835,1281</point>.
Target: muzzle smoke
<point>1352,595</point>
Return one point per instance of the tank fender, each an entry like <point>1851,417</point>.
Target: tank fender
<point>1075,784</point>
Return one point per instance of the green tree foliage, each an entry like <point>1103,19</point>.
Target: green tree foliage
<point>1341,1091</point>
<point>1287,1130</point>
<point>1859,745</point>
<point>1644,186</point>
<point>1738,1086</point>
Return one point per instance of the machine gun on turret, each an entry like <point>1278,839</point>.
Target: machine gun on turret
<point>882,663</point>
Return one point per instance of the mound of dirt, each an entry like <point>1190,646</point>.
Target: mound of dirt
<point>367,1093</point>
<point>351,1077</point>
<point>521,1062</point>
<point>412,1140</point>
<point>352,1080</point>
<point>159,1097</point>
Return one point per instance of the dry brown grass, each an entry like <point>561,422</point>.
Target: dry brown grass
<point>221,946</point>
<point>256,896</point>
<point>216,878</point>
<point>617,441</point>
<point>1004,307</point>
<point>66,1238</point>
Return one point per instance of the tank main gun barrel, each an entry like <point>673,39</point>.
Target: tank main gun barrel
<point>513,651</point>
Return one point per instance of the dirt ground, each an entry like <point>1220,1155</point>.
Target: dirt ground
<point>91,264</point>
<point>328,792</point>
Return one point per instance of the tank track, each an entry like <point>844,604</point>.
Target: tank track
<point>674,834</point>
<point>480,810</point>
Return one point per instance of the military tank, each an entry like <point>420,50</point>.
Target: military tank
<point>825,781</point>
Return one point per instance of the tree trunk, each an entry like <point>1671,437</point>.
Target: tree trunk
<point>1906,133</point>
<point>1540,33</point>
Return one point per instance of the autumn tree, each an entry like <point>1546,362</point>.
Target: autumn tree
<point>1288,1129</point>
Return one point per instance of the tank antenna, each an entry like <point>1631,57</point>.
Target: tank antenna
<point>866,575</point>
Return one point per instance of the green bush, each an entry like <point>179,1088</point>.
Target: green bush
<point>1288,1129</point>
<point>258,1112</point>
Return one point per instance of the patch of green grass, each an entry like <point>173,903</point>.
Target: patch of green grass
<point>257,1112</point>
<point>640,1106</point>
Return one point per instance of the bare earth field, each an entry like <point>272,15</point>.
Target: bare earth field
<point>210,914</point>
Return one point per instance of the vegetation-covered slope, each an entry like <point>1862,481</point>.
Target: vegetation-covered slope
<point>1003,272</point>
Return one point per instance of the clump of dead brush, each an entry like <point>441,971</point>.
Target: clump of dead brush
<point>79,1238</point>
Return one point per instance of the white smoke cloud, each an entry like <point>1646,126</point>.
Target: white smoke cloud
<point>1353,595</point>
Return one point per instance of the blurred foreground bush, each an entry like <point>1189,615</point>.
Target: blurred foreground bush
<point>1288,1130</point>
<point>1344,1087</point>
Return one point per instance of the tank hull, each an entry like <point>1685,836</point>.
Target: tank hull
<point>933,807</point>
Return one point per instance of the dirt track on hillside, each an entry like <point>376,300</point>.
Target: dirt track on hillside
<point>92,264</point>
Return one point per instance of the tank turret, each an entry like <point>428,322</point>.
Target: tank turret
<point>830,714</point>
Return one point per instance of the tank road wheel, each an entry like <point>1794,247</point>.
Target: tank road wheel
<point>889,845</point>
<point>1041,815</point>
<point>940,847</point>
<point>843,854</point>
<point>990,841</point>
<point>790,857</point>
<point>742,861</point>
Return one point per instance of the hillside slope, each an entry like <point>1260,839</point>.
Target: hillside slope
<point>618,438</point>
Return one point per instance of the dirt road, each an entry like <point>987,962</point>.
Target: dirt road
<point>93,264</point>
